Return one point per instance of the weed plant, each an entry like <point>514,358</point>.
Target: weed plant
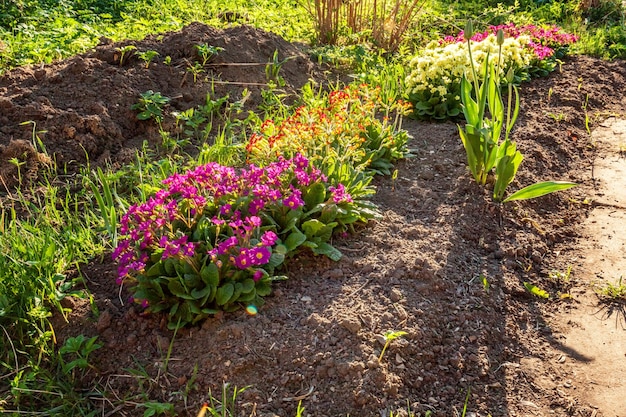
<point>613,292</point>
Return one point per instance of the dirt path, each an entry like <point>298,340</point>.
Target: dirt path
<point>595,342</point>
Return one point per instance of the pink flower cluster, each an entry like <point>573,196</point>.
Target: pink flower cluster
<point>543,39</point>
<point>238,250</point>
<point>340,195</point>
<point>228,201</point>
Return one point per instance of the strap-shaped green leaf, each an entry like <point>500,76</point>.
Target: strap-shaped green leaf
<point>506,168</point>
<point>539,189</point>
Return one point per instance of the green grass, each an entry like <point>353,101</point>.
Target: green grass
<point>43,243</point>
<point>35,31</point>
<point>612,292</point>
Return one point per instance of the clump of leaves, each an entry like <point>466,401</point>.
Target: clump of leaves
<point>74,354</point>
<point>195,70</point>
<point>562,279</point>
<point>612,291</point>
<point>208,52</point>
<point>147,56</point>
<point>153,408</point>
<point>272,70</point>
<point>150,106</point>
<point>536,291</point>
<point>224,407</point>
<point>213,237</point>
<point>125,52</point>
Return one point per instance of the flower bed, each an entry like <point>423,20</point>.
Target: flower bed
<point>433,84</point>
<point>214,238</point>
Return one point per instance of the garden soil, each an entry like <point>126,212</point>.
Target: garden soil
<point>443,263</point>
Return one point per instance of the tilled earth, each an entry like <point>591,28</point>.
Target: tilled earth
<point>422,268</point>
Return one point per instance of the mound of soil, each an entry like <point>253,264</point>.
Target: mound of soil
<point>444,263</point>
<point>81,107</point>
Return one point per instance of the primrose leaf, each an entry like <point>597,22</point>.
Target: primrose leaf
<point>536,291</point>
<point>329,213</point>
<point>169,266</point>
<point>263,288</point>
<point>247,286</point>
<point>178,290</point>
<point>328,250</point>
<point>276,260</point>
<point>247,297</point>
<point>210,274</point>
<point>155,270</point>
<point>280,249</point>
<point>315,195</point>
<point>224,293</point>
<point>198,294</point>
<point>295,239</point>
<point>311,227</point>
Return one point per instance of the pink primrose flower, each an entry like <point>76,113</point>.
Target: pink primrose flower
<point>261,191</point>
<point>225,209</point>
<point>259,255</point>
<point>244,260</point>
<point>122,247</point>
<point>304,179</point>
<point>294,201</point>
<point>300,161</point>
<point>269,238</point>
<point>235,224</point>
<point>254,221</point>
<point>274,195</point>
<point>255,206</point>
<point>189,249</point>
<point>339,194</point>
<point>224,246</point>
<point>258,274</point>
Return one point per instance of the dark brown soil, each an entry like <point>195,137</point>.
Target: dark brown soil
<point>418,269</point>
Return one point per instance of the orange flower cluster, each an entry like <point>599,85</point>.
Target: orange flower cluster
<point>338,128</point>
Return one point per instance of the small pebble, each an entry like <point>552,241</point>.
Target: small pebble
<point>395,295</point>
<point>351,325</point>
<point>336,273</point>
<point>104,321</point>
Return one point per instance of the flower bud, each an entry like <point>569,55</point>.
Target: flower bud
<point>500,37</point>
<point>510,76</point>
<point>469,30</point>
